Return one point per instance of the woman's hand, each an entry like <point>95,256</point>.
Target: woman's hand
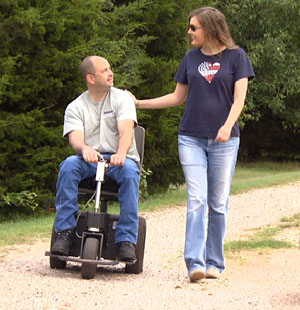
<point>223,134</point>
<point>133,97</point>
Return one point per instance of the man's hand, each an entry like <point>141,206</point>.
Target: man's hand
<point>90,155</point>
<point>117,160</point>
<point>76,139</point>
<point>125,128</point>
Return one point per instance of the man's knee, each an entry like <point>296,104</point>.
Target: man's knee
<point>130,170</point>
<point>127,173</point>
<point>70,163</point>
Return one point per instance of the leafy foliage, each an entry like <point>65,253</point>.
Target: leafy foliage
<point>166,21</point>
<point>42,46</point>
<point>31,151</point>
<point>43,43</point>
<point>272,41</point>
<point>24,199</point>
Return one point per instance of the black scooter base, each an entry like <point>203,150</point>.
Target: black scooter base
<point>92,261</point>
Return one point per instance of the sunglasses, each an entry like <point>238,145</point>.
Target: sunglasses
<point>194,28</point>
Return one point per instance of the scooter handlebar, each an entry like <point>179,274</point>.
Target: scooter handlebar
<point>102,167</point>
<point>106,159</point>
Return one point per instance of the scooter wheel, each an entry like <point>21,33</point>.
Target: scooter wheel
<point>137,267</point>
<point>90,251</point>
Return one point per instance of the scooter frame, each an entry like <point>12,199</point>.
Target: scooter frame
<point>94,237</point>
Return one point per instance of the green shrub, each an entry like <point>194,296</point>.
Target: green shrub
<point>25,203</point>
<point>272,110</point>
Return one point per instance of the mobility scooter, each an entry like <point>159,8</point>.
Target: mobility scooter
<point>94,237</point>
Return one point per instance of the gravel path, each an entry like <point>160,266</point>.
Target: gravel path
<point>251,281</point>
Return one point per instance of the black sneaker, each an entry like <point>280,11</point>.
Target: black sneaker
<point>62,242</point>
<point>125,252</point>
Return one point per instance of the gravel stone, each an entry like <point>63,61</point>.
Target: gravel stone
<point>252,280</point>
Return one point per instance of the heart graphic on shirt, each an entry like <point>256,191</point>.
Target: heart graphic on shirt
<point>208,70</point>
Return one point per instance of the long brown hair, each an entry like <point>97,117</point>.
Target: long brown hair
<point>214,25</point>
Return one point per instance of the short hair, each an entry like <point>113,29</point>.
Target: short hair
<point>87,67</point>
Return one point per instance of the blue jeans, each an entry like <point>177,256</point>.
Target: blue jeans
<point>208,168</point>
<point>73,170</point>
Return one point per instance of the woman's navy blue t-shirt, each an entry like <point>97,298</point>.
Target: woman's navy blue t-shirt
<point>211,82</point>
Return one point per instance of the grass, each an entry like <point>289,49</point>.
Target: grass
<point>264,174</point>
<point>255,242</point>
<point>265,238</point>
<point>25,231</point>
<point>292,221</point>
<point>247,177</point>
<point>239,245</point>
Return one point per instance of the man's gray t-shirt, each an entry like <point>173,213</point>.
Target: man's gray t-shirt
<point>99,120</point>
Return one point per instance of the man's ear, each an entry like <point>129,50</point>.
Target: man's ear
<point>90,79</point>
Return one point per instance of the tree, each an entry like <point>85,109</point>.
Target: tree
<point>269,31</point>
<point>42,45</point>
<point>165,21</point>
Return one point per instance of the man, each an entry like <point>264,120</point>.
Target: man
<point>99,122</point>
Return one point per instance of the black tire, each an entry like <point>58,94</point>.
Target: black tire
<point>90,251</point>
<point>55,263</point>
<point>137,267</point>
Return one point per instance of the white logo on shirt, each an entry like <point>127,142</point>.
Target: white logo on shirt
<point>208,70</point>
<point>108,114</point>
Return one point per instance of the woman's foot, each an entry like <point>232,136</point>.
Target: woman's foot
<point>212,273</point>
<point>196,275</point>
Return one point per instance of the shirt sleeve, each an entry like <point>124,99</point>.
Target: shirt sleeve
<point>72,120</point>
<point>181,74</point>
<point>126,108</point>
<point>243,66</point>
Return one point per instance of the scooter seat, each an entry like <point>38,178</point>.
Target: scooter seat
<point>109,188</point>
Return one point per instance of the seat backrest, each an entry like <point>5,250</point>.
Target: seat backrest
<point>139,133</point>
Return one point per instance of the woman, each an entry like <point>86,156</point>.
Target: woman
<point>213,79</point>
